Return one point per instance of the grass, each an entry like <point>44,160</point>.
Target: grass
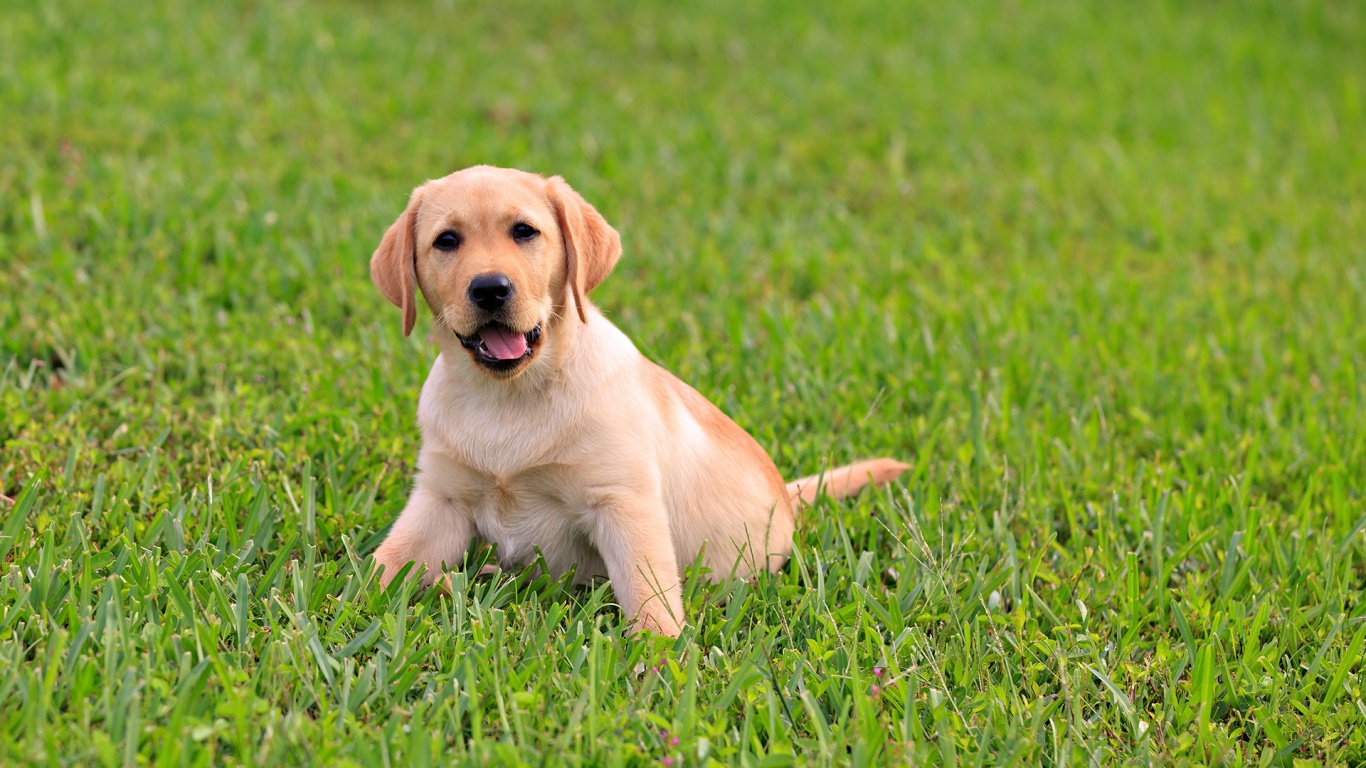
<point>1095,269</point>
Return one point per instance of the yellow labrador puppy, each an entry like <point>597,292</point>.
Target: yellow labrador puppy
<point>544,428</point>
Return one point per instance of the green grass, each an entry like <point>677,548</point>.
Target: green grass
<point>1097,270</point>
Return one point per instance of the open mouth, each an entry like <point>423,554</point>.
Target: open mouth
<point>499,347</point>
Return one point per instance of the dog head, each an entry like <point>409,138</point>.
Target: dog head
<point>500,256</point>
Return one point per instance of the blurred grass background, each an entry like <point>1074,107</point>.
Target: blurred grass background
<point>1096,270</point>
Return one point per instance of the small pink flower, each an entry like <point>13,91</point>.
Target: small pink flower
<point>667,761</point>
<point>878,672</point>
<point>875,691</point>
<point>673,742</point>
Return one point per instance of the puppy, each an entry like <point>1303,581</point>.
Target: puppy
<point>544,428</point>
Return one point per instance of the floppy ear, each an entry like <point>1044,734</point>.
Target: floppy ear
<point>591,246</point>
<point>394,265</point>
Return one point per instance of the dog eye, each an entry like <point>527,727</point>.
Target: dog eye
<point>523,231</point>
<point>446,241</point>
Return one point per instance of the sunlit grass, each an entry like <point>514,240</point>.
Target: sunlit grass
<point>1095,270</point>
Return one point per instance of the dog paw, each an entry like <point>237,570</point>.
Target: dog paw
<point>665,625</point>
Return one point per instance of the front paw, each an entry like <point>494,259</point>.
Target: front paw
<point>659,622</point>
<point>389,562</point>
<point>387,573</point>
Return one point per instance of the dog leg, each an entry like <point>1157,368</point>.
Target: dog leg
<point>635,544</point>
<point>431,531</point>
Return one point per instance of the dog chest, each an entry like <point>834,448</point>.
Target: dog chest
<point>529,512</point>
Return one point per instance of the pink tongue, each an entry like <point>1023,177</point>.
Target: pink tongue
<point>503,343</point>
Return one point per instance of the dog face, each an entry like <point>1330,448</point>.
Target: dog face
<point>499,255</point>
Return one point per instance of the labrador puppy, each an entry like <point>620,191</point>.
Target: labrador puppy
<point>545,429</point>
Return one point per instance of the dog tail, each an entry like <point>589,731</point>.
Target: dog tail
<point>845,481</point>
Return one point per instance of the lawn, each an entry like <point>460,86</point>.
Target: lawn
<point>1096,270</point>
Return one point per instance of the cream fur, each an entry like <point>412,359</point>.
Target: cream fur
<point>588,452</point>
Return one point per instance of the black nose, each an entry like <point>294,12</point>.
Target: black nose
<point>490,292</point>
